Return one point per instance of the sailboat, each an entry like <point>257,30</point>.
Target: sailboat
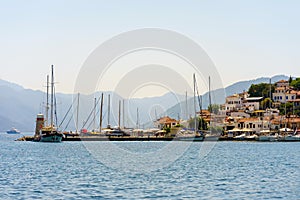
<point>211,135</point>
<point>198,135</point>
<point>49,133</point>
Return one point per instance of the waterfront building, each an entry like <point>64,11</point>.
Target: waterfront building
<point>255,124</point>
<point>166,122</point>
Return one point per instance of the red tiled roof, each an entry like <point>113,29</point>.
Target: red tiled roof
<point>166,120</point>
<point>282,81</point>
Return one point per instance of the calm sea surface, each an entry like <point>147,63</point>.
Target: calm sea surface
<point>232,170</point>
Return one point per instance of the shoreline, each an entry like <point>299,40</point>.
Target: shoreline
<point>97,138</point>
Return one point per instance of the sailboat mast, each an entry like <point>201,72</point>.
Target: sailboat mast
<point>209,95</point>
<point>47,102</point>
<point>94,120</point>
<point>52,93</point>
<point>137,118</point>
<point>108,111</point>
<point>195,116</point>
<point>123,116</point>
<point>270,104</point>
<point>285,125</point>
<point>186,106</point>
<point>270,94</point>
<point>77,113</point>
<point>101,111</point>
<point>119,114</point>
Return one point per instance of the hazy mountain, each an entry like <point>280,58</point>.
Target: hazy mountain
<point>19,106</point>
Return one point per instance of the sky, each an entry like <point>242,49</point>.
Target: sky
<point>244,39</point>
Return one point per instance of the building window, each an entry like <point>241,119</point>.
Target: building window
<point>253,125</point>
<point>287,97</point>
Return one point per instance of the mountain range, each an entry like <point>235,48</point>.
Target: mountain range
<point>19,106</point>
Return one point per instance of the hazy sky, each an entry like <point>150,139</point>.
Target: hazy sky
<point>245,39</point>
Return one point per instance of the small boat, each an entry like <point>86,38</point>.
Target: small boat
<point>50,134</point>
<point>291,138</point>
<point>192,138</point>
<point>13,131</point>
<point>251,137</point>
<point>240,137</point>
<point>271,137</point>
<point>116,133</point>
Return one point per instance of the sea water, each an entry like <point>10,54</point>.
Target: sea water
<point>69,170</point>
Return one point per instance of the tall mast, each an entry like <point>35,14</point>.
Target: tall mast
<point>119,114</point>
<point>137,118</point>
<point>94,120</point>
<point>285,125</point>
<point>270,94</point>
<point>47,102</point>
<point>52,93</point>
<point>270,104</point>
<point>195,116</point>
<point>186,106</point>
<point>209,95</point>
<point>101,111</point>
<point>77,113</point>
<point>123,116</point>
<point>108,111</point>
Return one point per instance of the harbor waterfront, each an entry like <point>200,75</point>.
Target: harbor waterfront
<point>232,170</point>
<point>145,138</point>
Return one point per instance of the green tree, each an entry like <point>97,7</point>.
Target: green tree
<point>261,90</point>
<point>167,129</point>
<point>296,83</point>
<point>290,80</point>
<point>288,107</point>
<point>201,124</point>
<point>214,108</point>
<point>266,103</point>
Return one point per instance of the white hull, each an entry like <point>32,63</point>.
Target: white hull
<point>267,138</point>
<point>291,138</point>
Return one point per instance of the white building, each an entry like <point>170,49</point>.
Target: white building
<point>252,103</point>
<point>255,124</point>
<point>233,103</point>
<point>284,94</point>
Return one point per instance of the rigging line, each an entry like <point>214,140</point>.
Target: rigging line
<point>55,113</point>
<point>92,121</point>
<point>68,123</point>
<point>199,99</point>
<point>67,113</point>
<point>97,114</point>
<point>103,117</point>
<point>90,114</point>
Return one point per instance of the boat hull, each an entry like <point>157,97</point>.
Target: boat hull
<point>291,138</point>
<point>192,139</point>
<point>12,132</point>
<point>267,138</point>
<point>51,138</point>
